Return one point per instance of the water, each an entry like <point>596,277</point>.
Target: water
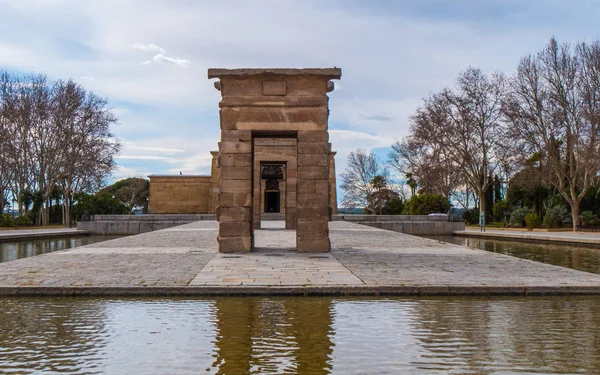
<point>27,248</point>
<point>300,335</point>
<point>571,256</point>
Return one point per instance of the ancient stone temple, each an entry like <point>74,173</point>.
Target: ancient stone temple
<point>274,146</point>
<point>274,158</point>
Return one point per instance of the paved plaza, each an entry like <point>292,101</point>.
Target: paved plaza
<point>363,261</point>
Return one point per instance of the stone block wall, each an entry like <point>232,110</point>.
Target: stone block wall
<point>409,224</point>
<point>179,195</point>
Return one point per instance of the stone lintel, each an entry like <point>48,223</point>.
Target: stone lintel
<point>273,101</point>
<point>330,73</point>
<point>275,142</point>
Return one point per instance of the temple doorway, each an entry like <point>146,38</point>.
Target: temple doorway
<point>272,202</point>
<point>273,185</point>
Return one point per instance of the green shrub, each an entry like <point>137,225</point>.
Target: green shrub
<point>23,220</point>
<point>394,207</point>
<point>501,209</point>
<point>589,218</point>
<point>557,217</point>
<point>471,217</point>
<point>425,204</point>
<point>517,216</point>
<point>531,220</point>
<point>6,220</point>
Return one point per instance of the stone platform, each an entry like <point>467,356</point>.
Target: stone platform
<point>184,260</point>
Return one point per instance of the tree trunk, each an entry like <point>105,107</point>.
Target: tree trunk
<point>575,214</point>
<point>67,205</point>
<point>482,210</point>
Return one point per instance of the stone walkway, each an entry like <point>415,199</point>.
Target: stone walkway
<point>364,261</point>
<point>583,238</point>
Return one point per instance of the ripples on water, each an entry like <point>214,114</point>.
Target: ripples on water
<point>11,250</point>
<point>300,335</point>
<point>580,258</point>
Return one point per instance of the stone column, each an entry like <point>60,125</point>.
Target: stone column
<point>332,183</point>
<point>312,233</point>
<point>214,182</point>
<point>235,190</point>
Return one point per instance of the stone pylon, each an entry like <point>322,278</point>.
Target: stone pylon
<point>287,108</point>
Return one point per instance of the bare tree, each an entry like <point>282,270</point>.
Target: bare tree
<point>457,136</point>
<point>425,161</point>
<point>88,144</point>
<point>357,179</point>
<point>52,134</point>
<point>554,107</point>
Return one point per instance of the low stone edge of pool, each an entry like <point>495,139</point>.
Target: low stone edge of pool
<point>342,291</point>
<point>41,235</point>
<point>530,238</point>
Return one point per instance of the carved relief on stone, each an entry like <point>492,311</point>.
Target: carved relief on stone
<point>272,171</point>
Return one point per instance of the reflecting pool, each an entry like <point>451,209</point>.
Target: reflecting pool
<point>17,249</point>
<point>300,335</point>
<point>571,256</point>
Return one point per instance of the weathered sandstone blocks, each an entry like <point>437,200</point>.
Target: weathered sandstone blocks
<point>236,160</point>
<point>234,229</point>
<point>236,147</point>
<point>313,245</point>
<point>236,199</point>
<point>234,214</point>
<point>235,244</point>
<point>313,148</point>
<point>313,136</point>
<point>313,160</point>
<point>312,173</point>
<point>236,173</point>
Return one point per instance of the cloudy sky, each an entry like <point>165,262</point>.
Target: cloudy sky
<point>149,58</point>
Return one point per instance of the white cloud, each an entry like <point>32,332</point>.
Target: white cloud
<point>160,58</point>
<point>166,150</point>
<point>199,163</point>
<point>147,157</point>
<point>89,78</point>
<point>149,47</point>
<point>122,172</point>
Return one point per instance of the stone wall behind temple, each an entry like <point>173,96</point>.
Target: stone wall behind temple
<point>180,195</point>
<point>174,194</point>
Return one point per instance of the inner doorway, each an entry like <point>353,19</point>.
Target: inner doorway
<point>271,234</point>
<point>272,202</point>
<point>273,185</point>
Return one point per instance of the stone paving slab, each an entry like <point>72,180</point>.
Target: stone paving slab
<point>364,261</point>
<point>275,269</point>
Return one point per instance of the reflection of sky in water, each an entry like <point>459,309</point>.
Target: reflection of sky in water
<point>300,335</point>
<point>28,248</point>
<point>580,258</point>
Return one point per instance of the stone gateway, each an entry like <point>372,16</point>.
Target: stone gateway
<point>274,159</point>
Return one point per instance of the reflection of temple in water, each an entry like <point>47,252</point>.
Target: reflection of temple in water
<point>273,336</point>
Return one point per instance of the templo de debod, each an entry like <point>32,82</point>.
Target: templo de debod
<point>274,158</point>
